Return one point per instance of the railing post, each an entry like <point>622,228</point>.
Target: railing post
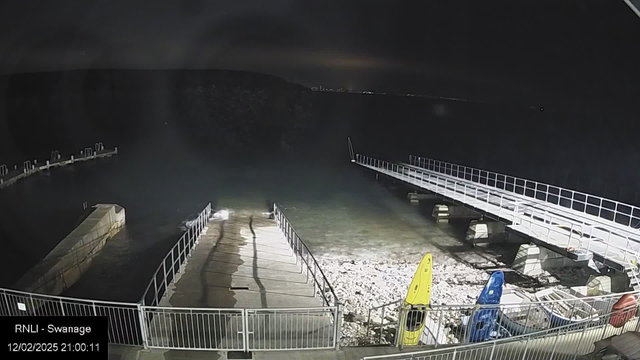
<point>164,269</point>
<point>606,252</point>
<point>245,329</point>
<point>526,347</point>
<point>307,267</point>
<point>400,331</point>
<point>493,350</point>
<point>466,337</point>
<point>33,308</point>
<point>487,206</point>
<point>382,324</point>
<point>173,267</point>
<point>337,322</point>
<point>604,329</point>
<point>400,325</point>
<point>6,301</point>
<point>575,355</point>
<point>366,334</point>
<point>439,327</point>
<point>464,195</point>
<point>155,287</point>
<point>555,343</point>
<point>314,278</point>
<point>143,326</point>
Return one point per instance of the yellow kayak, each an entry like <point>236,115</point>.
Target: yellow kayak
<point>417,299</point>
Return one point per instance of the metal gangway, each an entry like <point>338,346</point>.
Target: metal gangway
<point>151,325</point>
<point>578,225</point>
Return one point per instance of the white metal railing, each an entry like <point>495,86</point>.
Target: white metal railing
<point>144,324</point>
<point>173,262</point>
<point>123,318</point>
<point>31,167</point>
<point>523,189</point>
<point>303,254</point>
<point>194,328</point>
<point>381,325</point>
<point>463,324</point>
<point>566,342</point>
<point>291,329</point>
<point>313,271</point>
<point>453,324</point>
<point>612,210</point>
<point>239,329</point>
<point>611,243</point>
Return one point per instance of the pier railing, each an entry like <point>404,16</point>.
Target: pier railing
<point>463,324</point>
<point>446,325</point>
<point>382,324</point>
<point>150,325</point>
<point>458,324</point>
<point>615,244</point>
<point>173,263</point>
<point>309,264</point>
<point>607,209</point>
<point>313,271</point>
<point>563,343</point>
<point>610,218</point>
<point>9,176</point>
<point>124,318</point>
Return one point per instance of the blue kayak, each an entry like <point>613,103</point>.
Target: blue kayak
<point>484,321</point>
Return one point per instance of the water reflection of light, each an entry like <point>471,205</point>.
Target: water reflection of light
<point>221,215</point>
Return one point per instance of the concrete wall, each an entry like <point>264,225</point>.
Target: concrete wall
<point>66,263</point>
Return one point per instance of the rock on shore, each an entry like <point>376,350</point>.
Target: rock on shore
<point>367,280</point>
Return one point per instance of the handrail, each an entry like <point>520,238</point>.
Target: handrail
<point>531,209</point>
<point>279,215</point>
<point>29,167</point>
<point>560,208</point>
<point>502,201</point>
<point>436,313</point>
<point>65,298</point>
<point>443,166</point>
<point>570,328</point>
<point>369,326</point>
<point>200,223</point>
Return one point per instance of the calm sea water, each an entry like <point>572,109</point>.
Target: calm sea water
<point>336,206</point>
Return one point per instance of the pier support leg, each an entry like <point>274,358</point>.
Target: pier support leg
<point>415,197</point>
<point>484,232</point>
<point>527,260</point>
<point>441,213</point>
<point>444,212</point>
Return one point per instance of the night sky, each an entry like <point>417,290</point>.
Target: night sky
<point>542,52</point>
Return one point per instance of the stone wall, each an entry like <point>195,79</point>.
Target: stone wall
<point>71,258</point>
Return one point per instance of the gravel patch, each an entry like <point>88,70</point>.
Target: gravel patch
<point>368,280</point>
<point>371,279</point>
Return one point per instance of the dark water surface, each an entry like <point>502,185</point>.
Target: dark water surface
<point>162,179</point>
<point>159,187</point>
